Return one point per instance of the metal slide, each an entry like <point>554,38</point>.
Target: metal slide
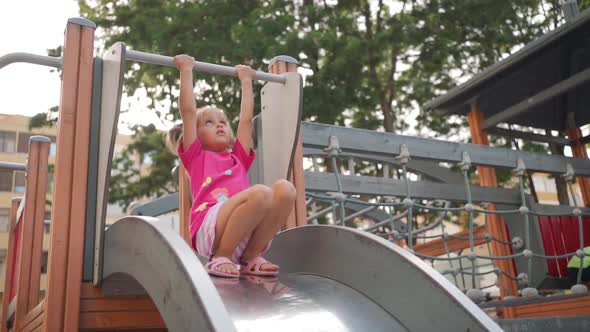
<point>332,279</point>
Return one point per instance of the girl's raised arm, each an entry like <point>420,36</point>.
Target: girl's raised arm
<point>244,135</point>
<point>187,102</point>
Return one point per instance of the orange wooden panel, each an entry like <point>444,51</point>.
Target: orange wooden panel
<point>35,324</point>
<point>79,182</point>
<point>40,195</point>
<point>117,304</point>
<point>437,248</point>
<point>579,151</point>
<point>88,291</point>
<point>62,194</point>
<point>496,224</point>
<point>33,314</point>
<point>92,300</point>
<point>26,250</point>
<point>579,306</point>
<point>120,320</point>
<point>185,204</point>
<point>9,262</point>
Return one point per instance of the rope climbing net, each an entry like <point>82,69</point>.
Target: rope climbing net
<point>402,210</point>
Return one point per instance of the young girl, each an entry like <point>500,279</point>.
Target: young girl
<point>231,221</point>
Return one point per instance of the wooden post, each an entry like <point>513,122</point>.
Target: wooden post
<point>25,248</point>
<point>298,216</point>
<point>497,227</point>
<point>40,146</point>
<point>579,151</point>
<point>62,300</point>
<point>184,197</point>
<point>10,259</point>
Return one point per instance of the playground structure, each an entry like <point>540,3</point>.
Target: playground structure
<point>139,274</point>
<point>126,281</point>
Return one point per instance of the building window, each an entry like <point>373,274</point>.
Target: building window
<point>5,180</point>
<point>7,141</point>
<point>4,216</point>
<point>44,263</point>
<point>52,149</point>
<point>53,145</point>
<point>19,182</point>
<point>47,222</point>
<point>23,142</point>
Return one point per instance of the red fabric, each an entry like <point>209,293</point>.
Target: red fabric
<point>561,236</point>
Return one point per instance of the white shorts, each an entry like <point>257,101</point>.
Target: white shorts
<point>206,236</point>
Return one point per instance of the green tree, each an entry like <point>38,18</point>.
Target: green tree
<point>373,62</point>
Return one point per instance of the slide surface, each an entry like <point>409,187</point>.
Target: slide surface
<point>332,279</point>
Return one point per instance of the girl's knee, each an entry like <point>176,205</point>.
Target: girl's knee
<point>284,190</point>
<point>260,195</point>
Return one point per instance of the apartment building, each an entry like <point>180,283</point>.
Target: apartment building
<point>14,140</point>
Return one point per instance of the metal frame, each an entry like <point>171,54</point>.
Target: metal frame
<point>387,144</point>
<point>12,166</point>
<point>199,66</point>
<point>530,136</point>
<point>113,68</point>
<point>93,160</point>
<point>546,324</point>
<point>35,59</point>
<point>159,206</point>
<point>528,104</point>
<point>428,169</point>
<point>368,185</point>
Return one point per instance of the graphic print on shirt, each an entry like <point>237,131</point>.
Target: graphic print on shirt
<point>228,172</point>
<point>201,207</point>
<point>206,183</point>
<point>220,194</point>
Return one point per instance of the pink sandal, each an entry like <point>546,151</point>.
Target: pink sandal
<point>215,262</point>
<point>253,267</point>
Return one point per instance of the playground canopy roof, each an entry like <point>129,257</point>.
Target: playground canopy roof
<point>538,86</point>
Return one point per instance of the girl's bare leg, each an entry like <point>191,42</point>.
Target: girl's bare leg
<point>283,196</point>
<point>237,219</point>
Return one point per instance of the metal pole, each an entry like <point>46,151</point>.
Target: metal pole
<point>12,166</point>
<point>199,66</point>
<point>42,60</point>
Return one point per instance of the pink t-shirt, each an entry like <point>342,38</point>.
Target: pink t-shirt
<point>214,177</point>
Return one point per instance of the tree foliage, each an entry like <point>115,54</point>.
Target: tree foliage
<point>372,63</point>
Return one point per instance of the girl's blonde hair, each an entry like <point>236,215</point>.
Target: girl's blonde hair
<point>174,136</point>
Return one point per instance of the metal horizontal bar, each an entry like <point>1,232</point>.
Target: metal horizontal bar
<point>12,166</point>
<point>528,104</point>
<point>353,140</point>
<point>518,301</point>
<point>366,185</point>
<point>554,209</point>
<point>199,66</point>
<point>42,60</point>
<point>159,206</point>
<point>430,170</point>
<point>529,136</point>
<point>546,324</point>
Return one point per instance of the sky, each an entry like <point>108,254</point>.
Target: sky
<point>29,89</point>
